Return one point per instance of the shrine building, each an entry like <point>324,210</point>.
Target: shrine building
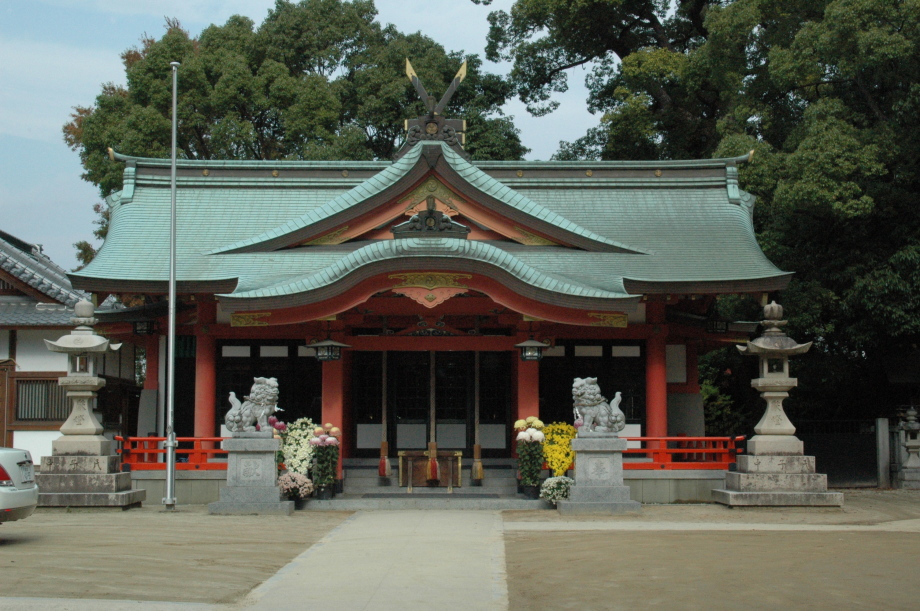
<point>430,271</point>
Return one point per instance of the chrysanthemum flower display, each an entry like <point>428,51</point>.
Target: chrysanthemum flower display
<point>530,450</point>
<point>325,442</point>
<point>296,450</point>
<point>295,485</point>
<point>557,450</point>
<point>556,489</point>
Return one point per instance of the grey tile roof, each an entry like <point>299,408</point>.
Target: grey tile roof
<point>28,264</point>
<point>27,312</point>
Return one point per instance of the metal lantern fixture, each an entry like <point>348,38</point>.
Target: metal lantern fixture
<point>328,350</point>
<point>531,350</point>
<point>145,327</point>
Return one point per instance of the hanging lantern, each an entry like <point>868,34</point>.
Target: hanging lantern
<point>328,350</point>
<point>145,327</point>
<point>531,350</point>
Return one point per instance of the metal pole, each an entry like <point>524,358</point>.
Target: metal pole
<point>170,500</point>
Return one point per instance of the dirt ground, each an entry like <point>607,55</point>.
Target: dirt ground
<point>721,570</point>
<point>148,554</point>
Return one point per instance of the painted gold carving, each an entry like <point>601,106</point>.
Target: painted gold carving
<point>520,173</point>
<point>609,319</point>
<point>589,173</point>
<point>275,173</point>
<point>249,319</point>
<point>445,199</point>
<point>430,289</point>
<point>345,173</point>
<point>658,173</point>
<point>205,172</point>
<point>336,237</point>
<point>531,239</point>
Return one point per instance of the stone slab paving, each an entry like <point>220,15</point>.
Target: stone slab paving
<point>396,560</point>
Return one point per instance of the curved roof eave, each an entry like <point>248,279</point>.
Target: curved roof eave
<point>413,252</point>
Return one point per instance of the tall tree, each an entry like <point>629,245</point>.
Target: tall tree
<point>826,93</point>
<point>319,79</point>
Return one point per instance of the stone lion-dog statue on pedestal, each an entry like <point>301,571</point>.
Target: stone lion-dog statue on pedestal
<point>593,410</point>
<point>261,403</point>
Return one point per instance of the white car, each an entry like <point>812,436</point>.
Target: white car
<point>18,492</point>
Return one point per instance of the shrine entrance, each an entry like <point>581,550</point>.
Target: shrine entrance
<point>453,398</point>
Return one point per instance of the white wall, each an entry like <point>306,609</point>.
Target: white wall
<point>676,363</point>
<point>36,442</point>
<point>32,355</point>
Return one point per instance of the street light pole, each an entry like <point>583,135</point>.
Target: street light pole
<point>170,499</point>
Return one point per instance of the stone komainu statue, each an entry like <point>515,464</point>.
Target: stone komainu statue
<point>592,408</point>
<point>261,403</point>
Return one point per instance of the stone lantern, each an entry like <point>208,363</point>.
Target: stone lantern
<point>83,470</point>
<point>909,473</point>
<point>82,432</point>
<point>775,470</point>
<point>775,434</point>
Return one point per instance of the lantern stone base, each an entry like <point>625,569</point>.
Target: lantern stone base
<point>252,477</point>
<point>908,479</point>
<point>85,481</point>
<point>776,445</point>
<point>599,487</point>
<point>82,445</point>
<point>776,480</point>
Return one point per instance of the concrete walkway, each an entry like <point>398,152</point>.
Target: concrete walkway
<point>447,560</point>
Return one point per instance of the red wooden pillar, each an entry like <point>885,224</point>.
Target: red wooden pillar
<point>334,400</point>
<point>656,379</point>
<point>205,370</point>
<point>528,389</point>
<point>152,357</point>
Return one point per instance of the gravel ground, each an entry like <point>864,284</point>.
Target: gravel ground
<point>670,569</point>
<point>149,554</point>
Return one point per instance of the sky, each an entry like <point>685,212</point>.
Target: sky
<point>56,54</point>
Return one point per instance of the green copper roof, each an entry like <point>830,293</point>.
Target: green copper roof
<point>671,226</point>
<point>389,176</point>
<point>452,249</point>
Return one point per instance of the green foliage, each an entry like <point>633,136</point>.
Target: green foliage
<point>824,91</point>
<point>326,458</point>
<point>530,462</point>
<point>318,79</point>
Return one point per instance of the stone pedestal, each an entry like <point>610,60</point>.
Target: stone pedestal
<point>252,477</point>
<point>778,480</point>
<point>599,487</point>
<point>85,481</point>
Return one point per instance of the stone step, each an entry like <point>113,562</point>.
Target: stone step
<point>348,502</point>
<point>776,482</point>
<point>83,482</point>
<point>374,462</point>
<point>125,499</point>
<point>778,499</point>
<point>424,490</point>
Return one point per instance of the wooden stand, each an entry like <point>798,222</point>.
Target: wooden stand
<point>413,468</point>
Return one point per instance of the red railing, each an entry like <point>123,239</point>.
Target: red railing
<point>657,453</point>
<point>193,453</point>
<point>676,453</point>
